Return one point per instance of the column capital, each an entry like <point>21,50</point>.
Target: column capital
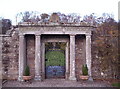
<point>88,34</point>
<point>21,37</point>
<point>72,34</point>
<point>21,34</point>
<point>37,34</point>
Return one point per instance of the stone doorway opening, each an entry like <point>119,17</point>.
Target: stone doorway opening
<point>55,60</point>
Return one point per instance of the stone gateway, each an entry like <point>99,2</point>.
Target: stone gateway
<point>77,50</point>
<point>51,50</point>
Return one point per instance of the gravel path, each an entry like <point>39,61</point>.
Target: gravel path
<point>56,83</point>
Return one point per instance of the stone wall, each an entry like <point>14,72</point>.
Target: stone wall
<point>96,71</point>
<point>10,52</point>
<point>105,54</point>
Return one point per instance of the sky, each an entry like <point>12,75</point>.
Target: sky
<point>10,8</point>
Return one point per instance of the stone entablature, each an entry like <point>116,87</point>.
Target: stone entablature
<point>82,24</point>
<point>54,29</point>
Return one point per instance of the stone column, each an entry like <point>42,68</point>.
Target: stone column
<point>43,60</point>
<point>1,61</point>
<point>22,56</point>
<point>67,60</point>
<point>37,57</point>
<point>72,58</point>
<point>88,55</point>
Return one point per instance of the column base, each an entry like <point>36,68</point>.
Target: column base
<point>66,76</point>
<point>90,79</point>
<point>43,76</point>
<point>37,78</point>
<point>20,78</point>
<point>1,83</point>
<point>72,78</point>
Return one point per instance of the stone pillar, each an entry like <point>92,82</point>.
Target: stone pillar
<point>88,55</point>
<point>72,58</point>
<point>1,25</point>
<point>43,60</point>
<point>22,56</point>
<point>37,57</point>
<point>67,61</point>
<point>1,61</point>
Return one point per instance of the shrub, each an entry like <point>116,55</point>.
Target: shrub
<point>27,71</point>
<point>85,70</point>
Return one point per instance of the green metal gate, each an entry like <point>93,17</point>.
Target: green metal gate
<point>54,61</point>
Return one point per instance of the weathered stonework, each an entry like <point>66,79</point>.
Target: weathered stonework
<point>10,56</point>
<point>29,42</point>
<point>101,66</point>
<point>14,58</point>
<point>57,29</point>
<point>0,62</point>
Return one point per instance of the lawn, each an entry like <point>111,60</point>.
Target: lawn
<point>116,84</point>
<point>55,58</point>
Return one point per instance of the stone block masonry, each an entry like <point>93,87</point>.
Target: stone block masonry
<point>22,47</point>
<point>10,54</point>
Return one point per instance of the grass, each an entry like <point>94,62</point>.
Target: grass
<point>55,58</point>
<point>116,84</point>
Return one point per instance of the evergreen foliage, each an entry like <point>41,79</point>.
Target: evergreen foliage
<point>85,70</point>
<point>27,71</point>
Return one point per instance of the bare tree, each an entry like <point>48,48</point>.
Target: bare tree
<point>28,16</point>
<point>6,25</point>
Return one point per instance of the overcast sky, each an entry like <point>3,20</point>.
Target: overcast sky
<point>9,8</point>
